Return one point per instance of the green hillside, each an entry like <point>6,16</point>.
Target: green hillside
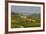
<point>20,20</point>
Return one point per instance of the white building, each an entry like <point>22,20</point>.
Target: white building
<point>23,16</point>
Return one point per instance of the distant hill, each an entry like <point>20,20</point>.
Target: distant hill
<point>35,15</point>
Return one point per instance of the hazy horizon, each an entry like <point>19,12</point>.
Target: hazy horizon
<point>25,9</point>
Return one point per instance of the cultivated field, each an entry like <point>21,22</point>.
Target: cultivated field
<point>24,21</point>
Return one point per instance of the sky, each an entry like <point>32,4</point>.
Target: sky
<point>25,9</point>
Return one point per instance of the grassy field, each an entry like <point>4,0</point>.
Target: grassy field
<point>24,21</point>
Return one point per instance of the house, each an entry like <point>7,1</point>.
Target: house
<point>23,16</point>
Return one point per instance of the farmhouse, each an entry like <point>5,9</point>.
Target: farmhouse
<point>23,16</point>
